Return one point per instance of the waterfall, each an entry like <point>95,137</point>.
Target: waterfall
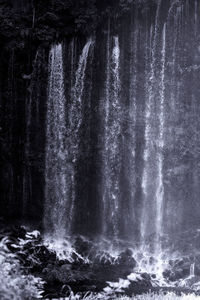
<point>174,60</point>
<point>109,117</point>
<point>130,143</point>
<point>55,216</point>
<point>148,185</point>
<point>63,138</point>
<point>192,274</point>
<point>159,185</point>
<point>111,152</point>
<point>75,119</point>
<point>107,79</point>
<point>143,223</point>
<point>106,132</point>
<point>115,136</point>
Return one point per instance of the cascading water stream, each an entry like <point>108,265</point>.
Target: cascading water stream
<point>152,180</point>
<point>115,137</point>
<point>130,191</point>
<point>192,270</point>
<point>56,189</point>
<point>147,227</point>
<point>75,119</point>
<point>107,105</point>
<point>129,140</point>
<point>62,145</point>
<point>111,152</point>
<point>160,186</point>
<point>174,59</point>
<point>143,225</point>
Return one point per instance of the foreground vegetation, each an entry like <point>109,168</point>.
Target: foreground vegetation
<point>15,283</point>
<point>149,296</point>
<point>31,268</point>
<point>161,296</point>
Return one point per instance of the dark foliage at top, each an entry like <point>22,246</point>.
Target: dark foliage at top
<point>45,21</point>
<point>48,20</point>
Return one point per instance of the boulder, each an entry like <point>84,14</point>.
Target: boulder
<point>84,247</point>
<point>139,283</point>
<point>179,269</point>
<point>113,269</point>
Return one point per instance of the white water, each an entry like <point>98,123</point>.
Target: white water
<point>106,131</point>
<point>130,140</point>
<point>64,129</point>
<point>192,268</point>
<point>160,186</point>
<point>55,168</point>
<point>62,142</point>
<point>148,225</point>
<point>75,117</point>
<point>112,130</point>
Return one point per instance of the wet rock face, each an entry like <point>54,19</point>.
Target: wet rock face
<point>110,270</point>
<point>139,286</point>
<point>181,268</point>
<point>85,248</point>
<point>126,262</point>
